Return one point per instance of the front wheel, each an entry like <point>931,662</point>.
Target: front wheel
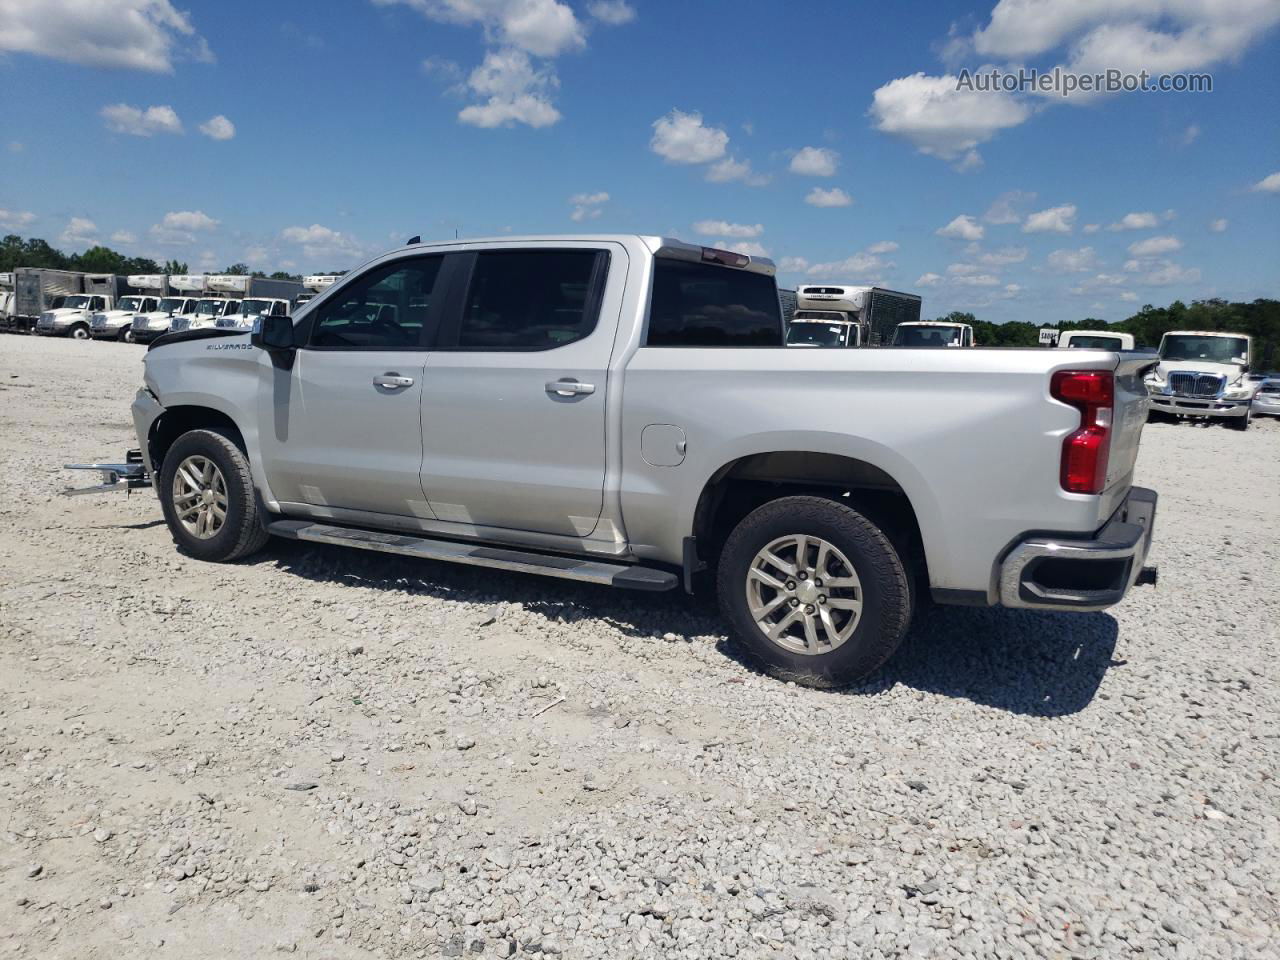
<point>1242,423</point>
<point>208,499</point>
<point>125,335</point>
<point>80,332</point>
<point>814,591</point>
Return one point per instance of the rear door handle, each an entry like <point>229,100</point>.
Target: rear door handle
<point>392,381</point>
<point>570,388</point>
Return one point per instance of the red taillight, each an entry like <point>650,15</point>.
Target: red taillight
<point>1084,452</point>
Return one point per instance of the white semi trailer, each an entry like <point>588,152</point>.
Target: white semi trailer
<point>866,316</point>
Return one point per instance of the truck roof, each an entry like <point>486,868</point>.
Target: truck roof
<point>1205,333</point>
<point>681,249</point>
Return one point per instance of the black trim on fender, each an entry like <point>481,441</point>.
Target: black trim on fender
<point>959,598</point>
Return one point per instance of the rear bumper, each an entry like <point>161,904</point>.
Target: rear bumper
<point>1061,572</point>
<point>1199,408</point>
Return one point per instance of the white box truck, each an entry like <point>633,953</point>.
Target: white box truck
<point>145,293</point>
<point>875,311</point>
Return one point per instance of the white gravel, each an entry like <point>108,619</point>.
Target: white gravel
<point>342,755</point>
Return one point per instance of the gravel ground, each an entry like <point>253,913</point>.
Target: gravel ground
<point>345,756</point>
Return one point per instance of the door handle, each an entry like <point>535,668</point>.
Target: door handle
<point>392,381</point>
<point>568,387</point>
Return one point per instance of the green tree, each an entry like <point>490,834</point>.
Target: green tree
<point>174,266</point>
<point>237,270</point>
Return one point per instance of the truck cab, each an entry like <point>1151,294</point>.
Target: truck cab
<point>208,311</point>
<point>147,326</point>
<point>251,308</point>
<point>71,316</point>
<point>1203,375</point>
<point>823,328</point>
<point>1095,340</point>
<point>933,333</point>
<point>117,324</point>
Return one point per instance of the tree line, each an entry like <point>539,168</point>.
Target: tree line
<point>1259,319</point>
<point>33,252</point>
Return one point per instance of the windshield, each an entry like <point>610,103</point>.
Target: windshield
<point>1186,346</point>
<point>211,308</point>
<point>819,334</point>
<point>250,307</point>
<point>1097,343</point>
<point>172,304</point>
<point>926,336</point>
<point>820,315</point>
<point>75,303</point>
<point>130,303</point>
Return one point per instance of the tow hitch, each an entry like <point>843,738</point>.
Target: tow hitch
<point>130,475</point>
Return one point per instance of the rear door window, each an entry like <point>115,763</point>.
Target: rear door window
<point>706,305</point>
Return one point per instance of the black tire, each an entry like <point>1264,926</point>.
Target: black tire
<point>242,532</point>
<point>125,336</point>
<point>886,591</point>
<point>80,331</point>
<point>1242,423</point>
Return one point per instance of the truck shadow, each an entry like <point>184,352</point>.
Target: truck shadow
<point>1023,661</point>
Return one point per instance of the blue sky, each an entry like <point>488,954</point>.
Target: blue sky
<point>828,135</point>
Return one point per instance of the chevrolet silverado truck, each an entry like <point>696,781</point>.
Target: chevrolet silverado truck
<point>623,410</point>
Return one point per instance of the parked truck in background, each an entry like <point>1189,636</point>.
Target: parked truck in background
<point>622,410</point>
<point>72,316</point>
<point>260,296</point>
<point>1095,340</point>
<point>37,289</point>
<point>117,324</point>
<point>875,310</point>
<point>147,326</point>
<point>6,301</point>
<point>933,333</point>
<point>315,285</point>
<point>1203,375</point>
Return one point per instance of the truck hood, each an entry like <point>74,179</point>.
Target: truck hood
<point>1230,370</point>
<point>116,314</point>
<point>65,313</point>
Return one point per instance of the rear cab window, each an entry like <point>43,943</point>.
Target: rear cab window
<point>709,305</point>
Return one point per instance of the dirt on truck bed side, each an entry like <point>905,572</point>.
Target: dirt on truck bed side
<point>344,755</point>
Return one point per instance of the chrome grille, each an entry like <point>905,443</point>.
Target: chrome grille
<point>1187,383</point>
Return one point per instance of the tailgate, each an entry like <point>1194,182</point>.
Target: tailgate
<point>1130,413</point>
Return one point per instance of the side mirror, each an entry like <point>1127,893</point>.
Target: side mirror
<point>273,333</point>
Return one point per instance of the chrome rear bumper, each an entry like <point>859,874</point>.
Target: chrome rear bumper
<point>1061,572</point>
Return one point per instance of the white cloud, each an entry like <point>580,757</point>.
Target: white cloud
<point>963,227</point>
<point>1091,228</point>
<point>123,118</point>
<point>928,280</point>
<point>16,146</point>
<point>1128,296</point>
<point>1155,246</point>
<point>793,265</point>
<point>79,232</point>
<point>710,228</point>
<point>181,226</point>
<point>1219,225</point>
<point>940,120</point>
<point>815,162</point>
<point>544,28</point>
<point>130,34</point>
<point>884,246</point>
<point>613,12</point>
<point>123,238</point>
<point>15,219</point>
<point>1268,184</point>
<point>1073,261</point>
<point>1003,256</point>
<point>516,92</point>
<point>1054,220</point>
<point>322,242</point>
<point>1145,220</point>
<point>977,280</point>
<point>1129,35</point>
<point>587,206</point>
<point>866,266</point>
<point>834,197</point>
<point>1190,135</point>
<point>730,169</point>
<point>1166,273</point>
<point>1005,208</point>
<point>682,137</point>
<point>962,269</point>
<point>218,128</point>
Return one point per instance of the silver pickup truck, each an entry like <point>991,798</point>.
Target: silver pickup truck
<point>622,410</point>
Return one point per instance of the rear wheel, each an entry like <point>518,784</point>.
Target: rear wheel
<point>207,495</point>
<point>814,591</point>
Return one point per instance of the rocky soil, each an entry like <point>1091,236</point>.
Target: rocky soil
<point>342,755</point>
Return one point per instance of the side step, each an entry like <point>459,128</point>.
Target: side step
<point>566,568</point>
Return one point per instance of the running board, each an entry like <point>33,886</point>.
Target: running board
<point>566,568</point>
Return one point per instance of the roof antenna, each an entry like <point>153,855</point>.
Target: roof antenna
<point>412,240</point>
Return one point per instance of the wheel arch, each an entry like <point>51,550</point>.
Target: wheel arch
<point>177,420</point>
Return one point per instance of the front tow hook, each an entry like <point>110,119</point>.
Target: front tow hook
<point>1147,575</point>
